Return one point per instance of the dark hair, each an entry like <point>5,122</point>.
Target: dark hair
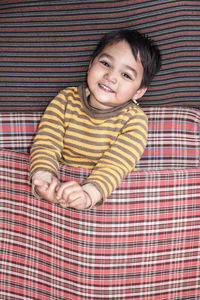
<point>140,44</point>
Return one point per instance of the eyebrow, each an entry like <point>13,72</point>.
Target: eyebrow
<point>127,66</point>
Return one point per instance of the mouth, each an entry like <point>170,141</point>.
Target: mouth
<point>105,88</point>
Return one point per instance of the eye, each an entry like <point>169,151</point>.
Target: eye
<point>126,76</point>
<point>105,63</point>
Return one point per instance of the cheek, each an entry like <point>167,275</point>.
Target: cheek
<point>92,74</point>
<point>123,96</point>
<point>93,68</point>
<point>131,89</point>
<point>89,78</point>
<point>127,91</point>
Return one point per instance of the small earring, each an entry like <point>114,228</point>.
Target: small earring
<point>134,101</point>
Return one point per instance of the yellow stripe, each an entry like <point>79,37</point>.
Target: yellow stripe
<point>116,158</point>
<point>51,126</point>
<point>46,131</point>
<point>40,164</point>
<point>138,145</point>
<point>95,130</point>
<point>44,142</point>
<point>53,117</point>
<point>40,157</point>
<point>86,149</point>
<point>73,135</point>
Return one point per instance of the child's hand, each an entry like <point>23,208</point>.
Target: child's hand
<point>71,194</point>
<point>46,190</point>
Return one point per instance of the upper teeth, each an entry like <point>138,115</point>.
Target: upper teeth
<point>105,87</point>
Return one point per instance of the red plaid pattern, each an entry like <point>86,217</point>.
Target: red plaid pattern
<point>173,141</point>
<point>144,243</point>
<point>18,130</point>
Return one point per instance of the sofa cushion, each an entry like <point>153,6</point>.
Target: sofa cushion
<point>141,244</point>
<point>173,141</point>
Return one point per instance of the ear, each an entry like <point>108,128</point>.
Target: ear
<point>139,93</point>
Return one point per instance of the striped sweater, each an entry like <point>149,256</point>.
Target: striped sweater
<point>109,142</point>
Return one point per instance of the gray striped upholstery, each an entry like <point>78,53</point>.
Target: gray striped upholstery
<point>45,46</point>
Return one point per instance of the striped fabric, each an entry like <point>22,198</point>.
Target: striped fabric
<point>143,244</point>
<point>46,45</point>
<point>173,138</point>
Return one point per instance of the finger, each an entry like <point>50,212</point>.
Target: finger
<point>41,191</point>
<point>41,184</point>
<point>79,203</point>
<point>51,191</point>
<point>75,195</point>
<point>63,203</point>
<point>60,190</point>
<point>65,189</point>
<point>53,185</point>
<point>68,200</point>
<point>72,201</point>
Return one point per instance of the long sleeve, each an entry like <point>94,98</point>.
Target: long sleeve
<point>48,143</point>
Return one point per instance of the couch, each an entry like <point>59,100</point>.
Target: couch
<point>144,242</point>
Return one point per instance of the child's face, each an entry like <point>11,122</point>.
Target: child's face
<point>114,77</point>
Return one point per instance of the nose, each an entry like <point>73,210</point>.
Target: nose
<point>111,76</point>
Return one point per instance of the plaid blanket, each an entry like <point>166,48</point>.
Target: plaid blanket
<point>144,243</point>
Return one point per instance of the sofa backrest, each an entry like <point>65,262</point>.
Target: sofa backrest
<point>46,45</point>
<point>173,141</point>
